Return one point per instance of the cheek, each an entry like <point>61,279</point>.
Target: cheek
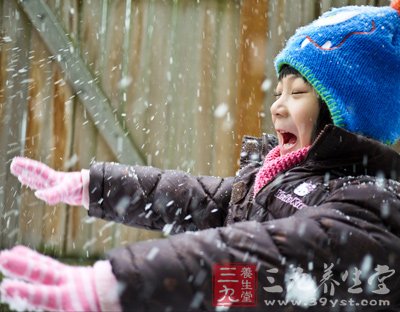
<point>309,114</point>
<point>306,123</point>
<point>305,134</point>
<point>306,120</point>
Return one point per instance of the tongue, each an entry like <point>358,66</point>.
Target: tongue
<point>289,138</point>
<point>292,139</point>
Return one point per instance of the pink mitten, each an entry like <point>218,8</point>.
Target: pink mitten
<point>37,282</point>
<point>52,186</point>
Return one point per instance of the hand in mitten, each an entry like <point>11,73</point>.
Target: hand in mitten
<point>37,282</point>
<point>52,186</point>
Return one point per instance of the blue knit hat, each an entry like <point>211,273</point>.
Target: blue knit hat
<point>351,56</point>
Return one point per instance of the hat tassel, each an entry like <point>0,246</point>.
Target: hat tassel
<point>396,5</point>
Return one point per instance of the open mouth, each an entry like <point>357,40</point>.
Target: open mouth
<point>289,139</point>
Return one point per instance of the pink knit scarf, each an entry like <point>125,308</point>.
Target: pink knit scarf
<point>275,163</point>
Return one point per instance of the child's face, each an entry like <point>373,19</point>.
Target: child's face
<point>294,113</point>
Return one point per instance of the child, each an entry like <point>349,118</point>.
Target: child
<point>317,210</point>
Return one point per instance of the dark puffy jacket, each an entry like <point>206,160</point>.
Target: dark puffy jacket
<point>336,216</point>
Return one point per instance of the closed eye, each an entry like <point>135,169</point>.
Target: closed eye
<point>299,92</point>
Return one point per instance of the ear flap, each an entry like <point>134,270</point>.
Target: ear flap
<point>396,5</point>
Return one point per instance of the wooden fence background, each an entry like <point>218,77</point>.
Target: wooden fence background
<point>185,80</point>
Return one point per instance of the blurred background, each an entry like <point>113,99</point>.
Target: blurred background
<point>168,83</point>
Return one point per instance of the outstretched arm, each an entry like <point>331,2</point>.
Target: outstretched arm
<point>347,248</point>
<point>146,197</point>
<point>328,243</point>
<point>158,199</point>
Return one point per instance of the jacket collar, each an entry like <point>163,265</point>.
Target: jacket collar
<point>340,149</point>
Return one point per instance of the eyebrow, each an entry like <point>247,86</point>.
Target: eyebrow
<point>292,77</point>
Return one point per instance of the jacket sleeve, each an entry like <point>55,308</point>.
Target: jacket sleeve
<point>147,197</point>
<point>175,274</point>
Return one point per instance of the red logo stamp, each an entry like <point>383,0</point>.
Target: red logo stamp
<point>234,284</point>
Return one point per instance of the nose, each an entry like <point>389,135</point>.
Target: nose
<point>278,108</point>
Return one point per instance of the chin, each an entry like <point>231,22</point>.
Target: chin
<point>284,149</point>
